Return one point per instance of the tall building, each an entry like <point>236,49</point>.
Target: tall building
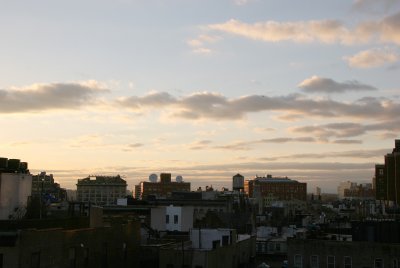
<point>15,188</point>
<point>387,177</point>
<point>280,188</point>
<point>102,190</point>
<point>379,182</point>
<point>162,188</point>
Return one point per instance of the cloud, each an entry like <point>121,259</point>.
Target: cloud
<point>323,31</point>
<point>199,145</point>
<point>346,130</point>
<point>242,2</point>
<point>153,99</point>
<point>347,141</point>
<point>209,105</point>
<point>53,96</point>
<point>199,44</point>
<point>372,58</point>
<point>374,6</point>
<point>135,145</point>
<point>327,85</point>
<point>355,154</point>
<point>326,31</point>
<point>246,145</point>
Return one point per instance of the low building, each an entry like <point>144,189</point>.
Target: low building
<point>209,248</point>
<point>172,218</point>
<point>72,242</point>
<point>315,253</point>
<point>102,190</point>
<point>15,188</point>
<point>162,188</point>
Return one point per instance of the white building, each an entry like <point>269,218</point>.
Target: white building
<point>171,218</point>
<point>212,238</point>
<point>15,189</point>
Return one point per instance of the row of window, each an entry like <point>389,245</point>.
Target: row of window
<point>330,262</point>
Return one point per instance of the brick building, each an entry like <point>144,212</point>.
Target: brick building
<point>280,188</point>
<point>162,188</point>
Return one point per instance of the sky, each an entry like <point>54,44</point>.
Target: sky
<point>199,88</point>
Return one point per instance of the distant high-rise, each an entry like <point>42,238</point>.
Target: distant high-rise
<point>387,177</point>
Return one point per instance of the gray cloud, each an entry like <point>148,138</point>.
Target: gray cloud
<point>346,130</point>
<point>41,97</point>
<point>327,85</point>
<point>347,141</point>
<point>355,154</point>
<point>208,105</point>
<point>246,145</point>
<point>135,145</point>
<point>373,6</point>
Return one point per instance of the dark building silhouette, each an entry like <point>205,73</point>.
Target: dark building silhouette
<point>387,177</point>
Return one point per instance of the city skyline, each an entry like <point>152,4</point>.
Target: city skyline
<point>202,89</point>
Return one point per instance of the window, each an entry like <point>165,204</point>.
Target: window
<point>395,263</point>
<point>86,257</point>
<point>330,262</point>
<point>175,219</point>
<point>298,261</point>
<point>347,262</point>
<point>35,260</point>
<point>125,251</point>
<point>167,219</point>
<point>71,257</point>
<point>215,244</point>
<point>314,261</point>
<point>378,263</point>
<point>225,240</point>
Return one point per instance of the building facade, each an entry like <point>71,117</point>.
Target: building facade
<point>15,188</point>
<point>316,253</point>
<point>105,247</point>
<point>209,248</point>
<point>277,188</point>
<point>44,185</point>
<point>162,188</point>
<point>172,218</point>
<point>101,190</point>
<point>387,177</point>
